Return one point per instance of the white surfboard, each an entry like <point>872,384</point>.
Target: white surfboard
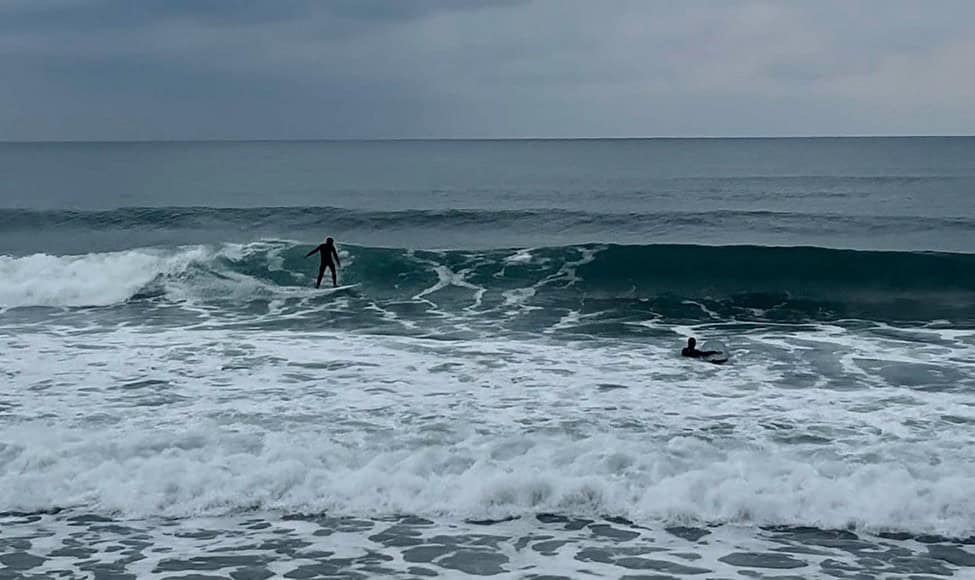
<point>340,288</point>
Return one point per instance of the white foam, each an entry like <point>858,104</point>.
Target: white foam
<point>365,425</point>
<point>103,279</point>
<point>447,277</point>
<point>86,280</point>
<point>209,470</point>
<point>520,257</point>
<point>518,297</point>
<point>568,270</point>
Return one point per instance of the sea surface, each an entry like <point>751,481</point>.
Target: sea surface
<point>496,387</point>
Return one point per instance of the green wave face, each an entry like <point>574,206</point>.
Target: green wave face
<point>684,283</point>
<point>609,286</point>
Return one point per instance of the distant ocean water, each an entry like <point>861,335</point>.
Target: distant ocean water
<point>496,389</point>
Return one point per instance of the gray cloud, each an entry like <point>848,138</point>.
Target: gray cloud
<point>175,69</point>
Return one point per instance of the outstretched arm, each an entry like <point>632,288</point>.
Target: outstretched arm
<point>710,352</point>
<point>336,254</point>
<point>317,249</point>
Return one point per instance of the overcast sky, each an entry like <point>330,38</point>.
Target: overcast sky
<point>279,69</point>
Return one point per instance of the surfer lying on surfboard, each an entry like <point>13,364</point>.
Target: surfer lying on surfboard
<point>327,251</point>
<point>691,350</point>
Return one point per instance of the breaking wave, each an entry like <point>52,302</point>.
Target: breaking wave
<point>210,472</point>
<point>669,280</point>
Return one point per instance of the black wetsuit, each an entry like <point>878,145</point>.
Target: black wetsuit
<point>694,353</point>
<point>327,250</point>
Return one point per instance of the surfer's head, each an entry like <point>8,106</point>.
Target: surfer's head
<point>691,342</point>
<point>329,241</point>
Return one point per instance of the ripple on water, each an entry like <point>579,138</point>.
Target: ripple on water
<point>315,546</point>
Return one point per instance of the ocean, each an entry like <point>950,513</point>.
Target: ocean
<point>495,389</point>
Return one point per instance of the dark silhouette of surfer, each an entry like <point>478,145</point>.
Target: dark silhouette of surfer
<point>691,350</point>
<point>327,251</point>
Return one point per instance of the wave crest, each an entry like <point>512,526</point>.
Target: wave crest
<point>88,280</point>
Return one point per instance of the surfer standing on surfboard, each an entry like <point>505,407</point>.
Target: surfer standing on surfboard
<point>328,251</point>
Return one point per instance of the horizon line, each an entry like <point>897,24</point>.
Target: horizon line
<point>471,139</point>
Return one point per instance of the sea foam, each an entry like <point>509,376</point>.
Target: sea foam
<point>86,280</point>
<point>211,422</point>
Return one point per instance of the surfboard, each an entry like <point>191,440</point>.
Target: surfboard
<point>717,359</point>
<point>340,288</point>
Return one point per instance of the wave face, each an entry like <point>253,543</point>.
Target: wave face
<point>669,281</point>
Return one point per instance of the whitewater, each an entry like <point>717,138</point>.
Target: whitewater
<point>491,393</point>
